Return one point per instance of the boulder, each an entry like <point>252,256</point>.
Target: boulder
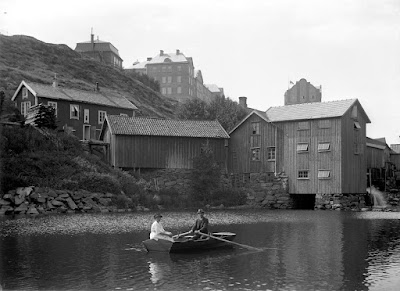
<point>9,197</point>
<point>32,210</point>
<point>40,209</point>
<point>21,209</point>
<point>52,193</point>
<point>109,195</point>
<point>57,203</point>
<point>41,199</point>
<point>4,202</point>
<point>18,199</point>
<point>24,191</point>
<point>77,195</point>
<point>62,209</point>
<point>71,204</point>
<point>34,195</point>
<point>104,201</point>
<point>50,205</point>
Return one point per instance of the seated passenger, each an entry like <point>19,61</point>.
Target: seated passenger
<point>157,230</point>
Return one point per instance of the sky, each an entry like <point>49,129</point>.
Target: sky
<point>250,48</point>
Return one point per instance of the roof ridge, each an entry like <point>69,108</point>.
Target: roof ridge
<point>307,103</point>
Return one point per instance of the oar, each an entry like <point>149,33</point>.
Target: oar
<point>232,242</point>
<point>182,234</point>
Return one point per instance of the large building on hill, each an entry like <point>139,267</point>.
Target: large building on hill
<point>79,112</point>
<point>302,92</point>
<point>176,75</point>
<point>102,51</point>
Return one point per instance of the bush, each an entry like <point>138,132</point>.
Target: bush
<point>99,182</point>
<point>121,201</point>
<point>228,197</point>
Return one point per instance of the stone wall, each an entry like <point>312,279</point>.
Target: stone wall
<point>266,190</point>
<point>36,200</point>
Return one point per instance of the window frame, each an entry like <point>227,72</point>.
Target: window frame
<point>86,115</point>
<point>25,94</point>
<point>301,127</point>
<point>256,154</point>
<point>324,177</point>
<point>54,105</point>
<point>164,91</point>
<point>305,177</point>
<point>71,106</point>
<point>271,151</point>
<point>25,107</point>
<point>101,114</point>
<point>179,90</point>
<point>169,90</point>
<point>321,150</point>
<point>299,150</point>
<point>255,128</point>
<point>179,79</point>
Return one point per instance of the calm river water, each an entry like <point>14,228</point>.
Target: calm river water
<point>315,250</point>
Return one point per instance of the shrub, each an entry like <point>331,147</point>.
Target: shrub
<point>120,201</point>
<point>99,182</point>
<point>228,197</point>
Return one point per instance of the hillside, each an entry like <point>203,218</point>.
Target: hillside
<point>26,58</point>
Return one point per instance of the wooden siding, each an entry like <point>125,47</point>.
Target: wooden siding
<point>313,160</point>
<point>375,157</point>
<point>162,152</point>
<point>242,142</point>
<point>354,166</point>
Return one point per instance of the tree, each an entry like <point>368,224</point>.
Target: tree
<point>46,117</point>
<point>206,174</point>
<point>194,109</point>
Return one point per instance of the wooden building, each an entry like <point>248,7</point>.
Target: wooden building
<point>320,146</point>
<point>79,112</point>
<point>149,143</point>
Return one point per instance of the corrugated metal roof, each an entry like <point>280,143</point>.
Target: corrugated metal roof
<point>315,110</point>
<point>122,125</point>
<point>106,98</point>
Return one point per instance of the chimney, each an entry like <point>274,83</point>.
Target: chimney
<point>149,59</point>
<point>177,52</point>
<point>161,52</point>
<point>243,101</point>
<point>97,87</point>
<point>55,81</point>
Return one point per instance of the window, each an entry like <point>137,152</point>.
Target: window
<point>255,154</point>
<point>74,111</point>
<point>163,68</point>
<point>179,68</point>
<point>169,68</point>
<point>54,105</point>
<point>303,125</point>
<point>324,174</point>
<point>169,90</point>
<point>179,90</point>
<point>86,116</point>
<point>324,146</point>
<point>25,107</point>
<point>255,141</point>
<point>324,123</point>
<point>357,125</point>
<point>164,80</point>
<point>302,174</point>
<point>169,79</point>
<point>123,114</point>
<point>102,116</point>
<point>302,147</point>
<point>255,128</point>
<point>354,112</point>
<point>271,153</point>
<point>179,79</point>
<point>164,91</point>
<point>24,93</point>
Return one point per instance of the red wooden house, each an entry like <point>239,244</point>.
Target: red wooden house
<point>149,143</point>
<point>80,112</point>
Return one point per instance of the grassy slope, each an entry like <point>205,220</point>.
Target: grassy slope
<point>26,58</point>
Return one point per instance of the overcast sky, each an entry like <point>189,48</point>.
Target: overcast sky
<point>250,48</point>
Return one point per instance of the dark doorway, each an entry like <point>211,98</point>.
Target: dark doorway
<point>303,201</point>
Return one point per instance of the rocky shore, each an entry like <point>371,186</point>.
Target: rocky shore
<point>36,200</point>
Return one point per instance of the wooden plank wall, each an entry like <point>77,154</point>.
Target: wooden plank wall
<point>163,152</point>
<point>354,166</point>
<point>312,160</point>
<point>375,157</point>
<point>240,155</point>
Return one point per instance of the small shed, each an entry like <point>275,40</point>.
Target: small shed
<point>149,143</point>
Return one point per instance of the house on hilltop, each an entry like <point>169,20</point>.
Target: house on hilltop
<point>320,146</point>
<point>102,51</point>
<point>80,112</point>
<point>148,143</point>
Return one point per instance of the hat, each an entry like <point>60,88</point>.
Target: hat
<point>157,215</point>
<point>200,211</point>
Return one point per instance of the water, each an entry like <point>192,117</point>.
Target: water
<point>316,250</point>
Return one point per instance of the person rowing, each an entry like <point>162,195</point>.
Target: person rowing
<point>200,226</point>
<point>158,231</point>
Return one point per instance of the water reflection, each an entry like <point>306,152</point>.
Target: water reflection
<point>314,251</point>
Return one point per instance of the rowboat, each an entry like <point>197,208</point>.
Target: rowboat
<point>187,244</point>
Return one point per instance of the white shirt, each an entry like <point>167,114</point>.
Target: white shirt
<point>157,232</point>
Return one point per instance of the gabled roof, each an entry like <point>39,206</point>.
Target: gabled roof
<point>376,143</point>
<point>256,112</point>
<point>103,97</point>
<point>98,45</point>
<point>175,58</point>
<point>315,110</point>
<point>122,125</point>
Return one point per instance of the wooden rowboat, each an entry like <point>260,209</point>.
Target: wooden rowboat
<point>186,244</point>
